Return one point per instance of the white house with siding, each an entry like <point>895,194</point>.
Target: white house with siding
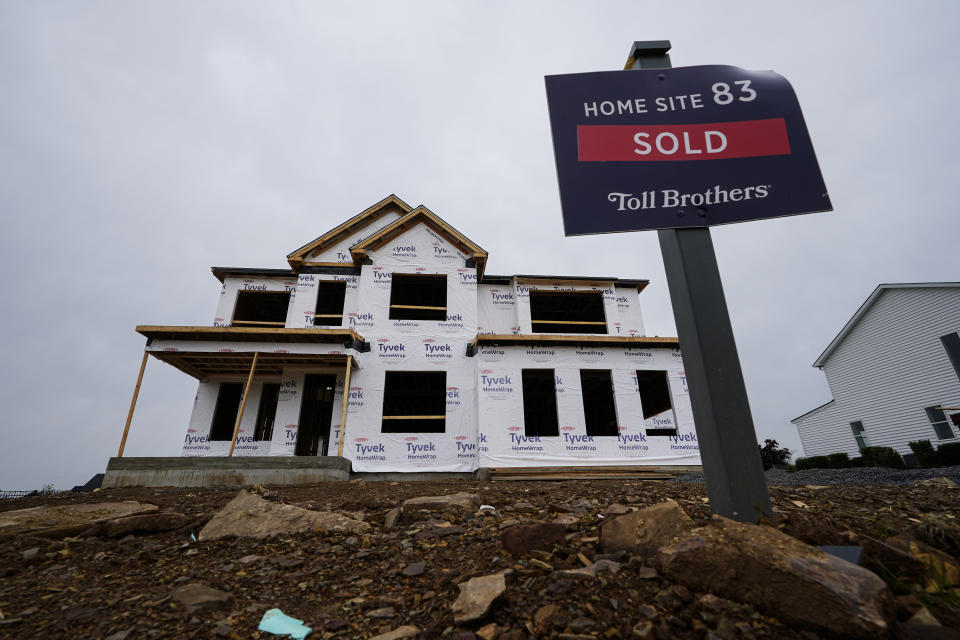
<point>893,372</point>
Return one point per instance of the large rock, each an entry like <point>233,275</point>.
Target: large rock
<point>249,515</point>
<point>439,503</point>
<point>476,596</point>
<point>797,583</point>
<point>941,570</point>
<point>646,530</point>
<point>143,523</point>
<point>524,538</point>
<point>67,519</point>
<point>195,596</point>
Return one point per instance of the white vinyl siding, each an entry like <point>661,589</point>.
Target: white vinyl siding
<point>889,368</point>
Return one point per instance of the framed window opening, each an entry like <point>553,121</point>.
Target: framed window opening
<point>860,434</point>
<point>414,402</point>
<point>329,309</point>
<point>654,389</point>
<point>599,404</point>
<point>266,412</point>
<point>940,423</point>
<point>225,411</point>
<point>540,403</point>
<point>261,308</point>
<point>567,312</point>
<point>415,296</point>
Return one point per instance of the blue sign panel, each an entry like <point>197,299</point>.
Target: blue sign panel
<point>683,147</point>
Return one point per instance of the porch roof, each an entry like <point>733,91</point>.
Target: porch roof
<point>202,364</point>
<point>250,334</point>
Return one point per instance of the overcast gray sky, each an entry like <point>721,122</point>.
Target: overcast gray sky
<point>141,143</point>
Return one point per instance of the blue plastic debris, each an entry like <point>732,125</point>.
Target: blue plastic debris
<point>279,623</point>
<point>193,537</point>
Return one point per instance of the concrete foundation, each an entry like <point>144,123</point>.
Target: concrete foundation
<point>220,471</point>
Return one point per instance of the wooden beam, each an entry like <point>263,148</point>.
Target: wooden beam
<point>243,404</point>
<point>133,404</point>
<point>414,417</point>
<point>343,410</point>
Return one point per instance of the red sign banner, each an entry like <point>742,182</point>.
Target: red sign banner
<point>682,142</point>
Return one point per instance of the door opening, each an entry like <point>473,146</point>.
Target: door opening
<point>313,433</point>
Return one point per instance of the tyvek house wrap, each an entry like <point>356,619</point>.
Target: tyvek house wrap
<point>414,345</point>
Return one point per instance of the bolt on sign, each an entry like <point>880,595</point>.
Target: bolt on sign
<point>685,147</point>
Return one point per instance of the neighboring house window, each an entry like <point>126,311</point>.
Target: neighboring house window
<point>567,312</point>
<point>418,297</point>
<point>263,431</point>
<point>414,402</point>
<point>860,434</point>
<point>225,412</point>
<point>654,390</point>
<point>261,308</point>
<point>951,343</point>
<point>329,309</point>
<point>599,408</point>
<point>941,426</point>
<point>540,403</point>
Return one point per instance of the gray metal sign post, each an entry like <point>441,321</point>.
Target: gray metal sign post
<point>728,443</point>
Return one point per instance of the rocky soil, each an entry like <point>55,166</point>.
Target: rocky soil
<point>458,570</point>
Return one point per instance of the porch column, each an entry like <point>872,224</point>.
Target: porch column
<point>243,403</point>
<point>343,411</point>
<point>133,404</point>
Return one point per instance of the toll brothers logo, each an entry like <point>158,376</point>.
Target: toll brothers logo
<point>420,451</point>
<point>391,351</point>
<point>437,351</point>
<point>495,386</point>
<point>524,444</point>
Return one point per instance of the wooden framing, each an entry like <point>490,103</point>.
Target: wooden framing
<point>363,219</point>
<point>343,411</point>
<point>243,404</point>
<point>249,334</point>
<point>133,404</point>
<point>443,417</point>
<point>420,215</point>
<point>599,340</point>
<point>203,364</point>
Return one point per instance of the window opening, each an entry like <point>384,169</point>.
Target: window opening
<point>941,426</point>
<point>225,412</point>
<point>599,407</point>
<point>951,343</point>
<point>329,309</point>
<point>266,412</point>
<point>415,296</point>
<point>654,388</point>
<point>567,312</point>
<point>414,402</point>
<point>540,403</point>
<point>261,308</point>
<point>860,434</point>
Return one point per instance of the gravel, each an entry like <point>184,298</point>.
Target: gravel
<point>858,475</point>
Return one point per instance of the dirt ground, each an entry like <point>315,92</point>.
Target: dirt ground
<point>88,587</point>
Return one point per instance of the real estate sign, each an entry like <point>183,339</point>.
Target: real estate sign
<point>684,147</point>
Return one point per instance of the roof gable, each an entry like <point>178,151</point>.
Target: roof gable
<point>353,225</point>
<point>421,215</point>
<point>865,307</point>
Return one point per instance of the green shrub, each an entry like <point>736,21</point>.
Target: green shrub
<point>856,462</point>
<point>838,460</point>
<point>949,454</point>
<point>791,468</point>
<point>772,454</point>
<point>881,457</point>
<point>925,454</point>
<point>813,462</point>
